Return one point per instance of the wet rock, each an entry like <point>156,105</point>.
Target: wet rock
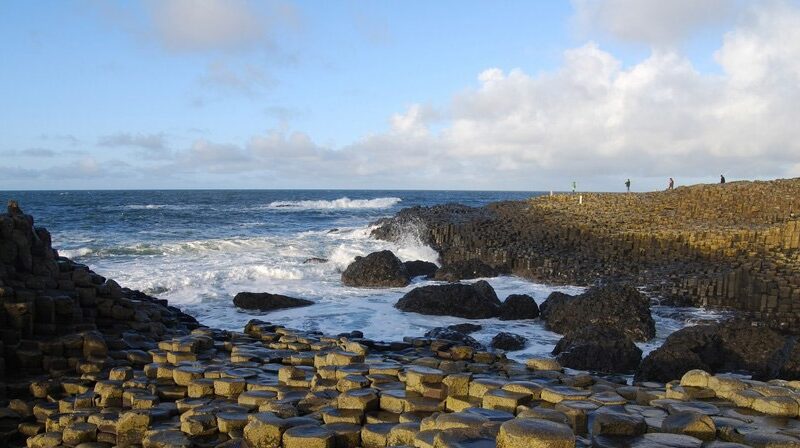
<point>465,270</point>
<point>724,346</point>
<point>508,341</point>
<point>315,260</point>
<point>419,268</point>
<point>618,306</point>
<point>476,301</point>
<point>692,424</point>
<point>601,349</point>
<point>377,270</point>
<point>519,306</point>
<point>452,334</point>
<point>264,301</point>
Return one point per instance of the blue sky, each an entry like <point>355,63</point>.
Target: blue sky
<point>446,94</point>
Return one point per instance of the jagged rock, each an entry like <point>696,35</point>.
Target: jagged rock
<point>723,346</point>
<point>264,301</point>
<point>602,349</point>
<point>508,341</point>
<point>466,328</point>
<point>315,260</point>
<point>465,270</point>
<point>519,306</point>
<point>419,268</point>
<point>476,301</point>
<point>377,270</point>
<point>617,306</point>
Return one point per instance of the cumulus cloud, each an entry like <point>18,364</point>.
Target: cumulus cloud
<point>653,22</point>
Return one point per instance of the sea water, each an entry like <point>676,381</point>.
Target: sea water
<point>197,249</point>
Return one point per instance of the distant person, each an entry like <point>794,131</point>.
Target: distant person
<point>628,185</point>
<point>574,186</point>
<point>671,184</point>
<point>721,179</point>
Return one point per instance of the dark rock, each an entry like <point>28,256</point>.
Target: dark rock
<point>519,306</point>
<point>465,328</point>
<point>731,346</point>
<point>508,341</point>
<point>419,268</point>
<point>377,270</point>
<point>465,270</point>
<point>617,306</point>
<point>315,260</point>
<point>476,301</point>
<point>264,301</point>
<point>451,334</point>
<point>602,349</point>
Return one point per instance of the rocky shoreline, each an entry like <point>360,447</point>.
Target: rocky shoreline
<point>86,363</point>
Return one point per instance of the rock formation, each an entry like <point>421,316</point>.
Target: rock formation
<point>264,301</point>
<point>377,270</point>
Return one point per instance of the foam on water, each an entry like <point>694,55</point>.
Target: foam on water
<point>341,203</point>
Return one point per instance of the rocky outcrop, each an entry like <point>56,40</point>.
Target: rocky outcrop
<point>617,306</point>
<point>419,268</point>
<point>508,341</point>
<point>476,301</point>
<point>598,349</point>
<point>732,245</point>
<point>57,315</point>
<point>377,270</point>
<point>264,301</point>
<point>519,306</point>
<point>732,346</point>
<point>465,270</point>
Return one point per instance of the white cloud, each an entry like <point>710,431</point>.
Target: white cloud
<point>653,22</point>
<point>200,25</point>
<point>151,142</point>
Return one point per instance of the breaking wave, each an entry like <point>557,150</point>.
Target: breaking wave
<point>341,203</point>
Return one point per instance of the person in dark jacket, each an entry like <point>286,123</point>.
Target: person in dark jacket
<point>721,179</point>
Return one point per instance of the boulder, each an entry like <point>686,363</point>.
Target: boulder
<point>601,349</point>
<point>419,268</point>
<point>508,341</point>
<point>617,306</point>
<point>465,270</point>
<point>476,301</point>
<point>264,301</point>
<point>453,334</point>
<point>377,270</point>
<point>519,306</point>
<point>730,346</point>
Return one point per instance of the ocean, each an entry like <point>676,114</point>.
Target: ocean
<point>199,248</point>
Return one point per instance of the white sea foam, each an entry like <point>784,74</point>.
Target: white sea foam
<point>341,203</point>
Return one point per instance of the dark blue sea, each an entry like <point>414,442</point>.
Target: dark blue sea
<point>199,248</point>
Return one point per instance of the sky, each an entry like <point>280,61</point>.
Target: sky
<point>463,95</point>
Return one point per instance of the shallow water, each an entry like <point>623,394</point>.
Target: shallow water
<point>199,248</point>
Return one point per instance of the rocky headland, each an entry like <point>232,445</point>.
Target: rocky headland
<point>86,363</point>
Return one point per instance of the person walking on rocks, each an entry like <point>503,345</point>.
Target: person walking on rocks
<point>721,179</point>
<point>628,185</point>
<point>671,184</point>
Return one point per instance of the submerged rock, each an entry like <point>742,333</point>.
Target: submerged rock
<point>419,268</point>
<point>617,306</point>
<point>465,270</point>
<point>377,270</point>
<point>600,349</point>
<point>508,341</point>
<point>264,301</point>
<point>476,301</point>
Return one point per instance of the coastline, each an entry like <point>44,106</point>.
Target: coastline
<point>87,361</point>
